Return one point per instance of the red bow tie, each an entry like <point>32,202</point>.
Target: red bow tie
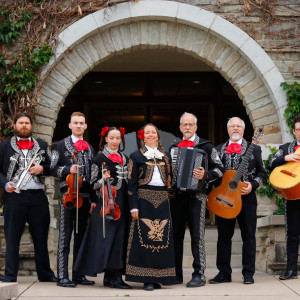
<point>295,148</point>
<point>234,148</point>
<point>186,143</point>
<point>81,145</point>
<point>114,157</point>
<point>25,144</point>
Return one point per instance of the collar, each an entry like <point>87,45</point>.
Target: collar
<point>109,150</point>
<point>18,138</point>
<point>149,148</point>
<point>75,138</point>
<point>192,139</point>
<point>238,142</point>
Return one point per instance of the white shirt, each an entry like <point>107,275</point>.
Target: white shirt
<point>75,138</point>
<point>192,139</point>
<point>238,142</point>
<point>31,185</point>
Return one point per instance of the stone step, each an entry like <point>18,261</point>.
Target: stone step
<point>236,261</point>
<point>8,290</point>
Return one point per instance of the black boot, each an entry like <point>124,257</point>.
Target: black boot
<point>117,281</point>
<point>107,278</point>
<point>289,274</point>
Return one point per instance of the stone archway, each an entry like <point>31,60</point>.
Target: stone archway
<point>178,27</point>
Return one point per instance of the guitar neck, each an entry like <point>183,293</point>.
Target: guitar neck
<point>241,169</point>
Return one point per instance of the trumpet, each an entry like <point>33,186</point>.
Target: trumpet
<point>23,175</point>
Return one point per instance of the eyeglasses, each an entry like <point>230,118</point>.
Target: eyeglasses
<point>187,124</point>
<point>297,129</point>
<point>238,126</point>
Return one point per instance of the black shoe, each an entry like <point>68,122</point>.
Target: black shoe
<point>82,280</point>
<point>220,278</point>
<point>1,277</point>
<point>65,282</point>
<point>107,278</point>
<point>156,286</point>
<point>119,284</point>
<point>51,279</point>
<point>248,279</point>
<point>196,281</point>
<point>289,274</point>
<point>148,286</point>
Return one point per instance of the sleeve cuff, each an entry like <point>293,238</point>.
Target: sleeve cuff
<point>133,210</point>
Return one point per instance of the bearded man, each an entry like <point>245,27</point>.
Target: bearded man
<point>22,156</point>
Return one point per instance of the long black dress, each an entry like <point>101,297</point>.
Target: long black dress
<point>98,254</point>
<point>150,253</point>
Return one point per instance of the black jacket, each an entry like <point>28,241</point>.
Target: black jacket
<point>255,171</point>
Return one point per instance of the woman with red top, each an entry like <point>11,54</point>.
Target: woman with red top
<point>97,253</point>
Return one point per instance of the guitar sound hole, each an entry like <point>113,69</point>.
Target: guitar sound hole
<point>232,185</point>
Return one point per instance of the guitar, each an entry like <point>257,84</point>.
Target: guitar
<point>286,179</point>
<point>226,200</point>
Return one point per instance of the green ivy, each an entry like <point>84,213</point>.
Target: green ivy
<point>10,30</point>
<point>22,76</point>
<point>2,61</point>
<point>293,101</point>
<point>268,190</point>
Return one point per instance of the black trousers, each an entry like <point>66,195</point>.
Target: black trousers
<point>29,206</point>
<point>67,225</point>
<point>247,223</point>
<point>292,219</point>
<point>186,209</point>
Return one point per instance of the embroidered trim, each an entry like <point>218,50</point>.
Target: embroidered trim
<point>156,198</point>
<point>129,166</point>
<point>54,159</point>
<point>148,175</point>
<point>279,153</point>
<point>149,272</point>
<point>61,239</point>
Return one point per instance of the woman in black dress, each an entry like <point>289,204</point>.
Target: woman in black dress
<point>97,253</point>
<point>150,253</point>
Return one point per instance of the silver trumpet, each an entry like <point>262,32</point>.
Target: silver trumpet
<point>23,175</point>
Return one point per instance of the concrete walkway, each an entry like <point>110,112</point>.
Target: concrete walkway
<point>266,287</point>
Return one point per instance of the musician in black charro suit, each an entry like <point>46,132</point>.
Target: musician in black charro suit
<point>292,207</point>
<point>231,154</point>
<point>190,207</point>
<point>62,164</point>
<point>31,204</point>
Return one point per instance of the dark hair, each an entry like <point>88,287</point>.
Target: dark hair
<point>20,115</point>
<point>160,148</point>
<point>77,113</point>
<point>296,120</point>
<point>102,140</point>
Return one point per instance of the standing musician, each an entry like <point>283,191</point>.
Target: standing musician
<point>292,207</point>
<point>22,156</point>
<point>232,153</point>
<point>62,164</point>
<point>190,207</point>
<point>104,242</point>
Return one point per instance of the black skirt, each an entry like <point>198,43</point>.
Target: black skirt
<point>150,252</point>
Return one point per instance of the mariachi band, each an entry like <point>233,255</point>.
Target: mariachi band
<point>128,215</point>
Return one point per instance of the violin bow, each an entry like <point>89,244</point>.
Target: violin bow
<point>103,195</point>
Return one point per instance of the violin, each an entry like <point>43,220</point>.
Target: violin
<point>109,193</point>
<point>72,197</point>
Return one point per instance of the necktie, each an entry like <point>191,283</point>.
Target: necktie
<point>186,143</point>
<point>81,145</point>
<point>234,148</point>
<point>116,158</point>
<point>25,144</point>
<point>153,153</point>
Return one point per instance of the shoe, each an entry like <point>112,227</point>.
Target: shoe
<point>119,284</point>
<point>196,281</point>
<point>82,280</point>
<point>289,274</point>
<point>1,277</point>
<point>248,279</point>
<point>65,282</point>
<point>107,278</point>
<point>178,281</point>
<point>148,286</point>
<point>220,278</point>
<point>156,286</point>
<point>51,279</point>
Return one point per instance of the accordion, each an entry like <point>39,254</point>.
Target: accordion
<point>184,161</point>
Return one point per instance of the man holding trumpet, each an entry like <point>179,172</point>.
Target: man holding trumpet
<point>23,163</point>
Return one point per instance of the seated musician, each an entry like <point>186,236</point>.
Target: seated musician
<point>190,207</point>
<point>62,164</point>
<point>231,154</point>
<point>31,204</point>
<point>292,207</point>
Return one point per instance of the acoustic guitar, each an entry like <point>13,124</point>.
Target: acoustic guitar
<point>286,179</point>
<point>226,200</point>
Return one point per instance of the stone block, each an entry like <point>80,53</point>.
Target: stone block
<point>100,46</point>
<point>265,120</point>
<point>172,34</point>
<point>90,48</point>
<point>44,121</point>
<point>144,35</point>
<point>163,31</point>
<point>126,37</point>
<point>43,129</point>
<point>227,51</point>
<point>207,47</point>
<point>228,32</point>
<point>85,55</point>
<point>153,35</point>
<point>190,39</point>
<point>273,128</point>
<point>54,85</point>
<point>8,290</point>
<point>256,94</point>
<point>275,138</point>
<point>66,62</point>
<point>235,68</point>
<point>78,31</point>
<point>250,87</point>
<point>216,51</point>
<point>62,69</point>
<point>46,112</point>
<point>243,78</point>
<point>58,77</point>
<point>182,36</point>
<point>199,40</point>
<point>263,111</point>
<point>116,39</point>
<point>79,62</point>
<point>230,61</point>
<point>56,99</point>
<point>135,31</point>
<point>259,103</point>
<point>195,16</point>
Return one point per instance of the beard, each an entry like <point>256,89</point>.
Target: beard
<point>23,133</point>
<point>187,134</point>
<point>236,136</point>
